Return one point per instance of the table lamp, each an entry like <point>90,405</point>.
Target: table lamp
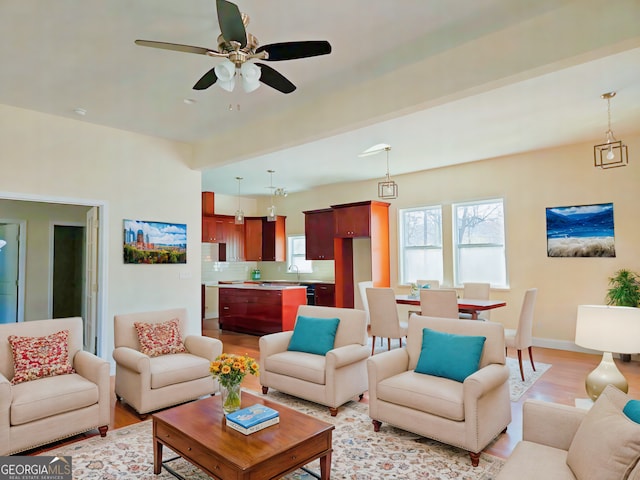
<point>608,329</point>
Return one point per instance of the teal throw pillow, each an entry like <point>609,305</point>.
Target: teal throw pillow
<point>314,335</point>
<point>632,410</point>
<point>448,355</point>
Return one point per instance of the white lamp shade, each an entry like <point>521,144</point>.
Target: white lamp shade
<point>250,76</point>
<point>225,72</point>
<point>608,328</point>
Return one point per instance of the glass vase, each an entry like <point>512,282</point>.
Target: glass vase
<point>231,397</point>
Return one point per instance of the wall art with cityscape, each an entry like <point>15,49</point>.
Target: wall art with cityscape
<point>154,242</point>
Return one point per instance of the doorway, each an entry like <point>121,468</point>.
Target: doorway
<point>9,272</point>
<point>68,271</point>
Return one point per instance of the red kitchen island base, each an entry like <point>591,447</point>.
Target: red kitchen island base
<point>259,310</point>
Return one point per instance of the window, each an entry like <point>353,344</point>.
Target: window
<point>420,244</point>
<point>296,254</point>
<point>478,243</point>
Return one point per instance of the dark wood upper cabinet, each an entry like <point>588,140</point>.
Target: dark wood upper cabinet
<point>264,240</point>
<point>352,220</point>
<point>208,204</point>
<point>318,230</point>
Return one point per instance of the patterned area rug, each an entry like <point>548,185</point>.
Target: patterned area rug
<point>359,452</point>
<point>516,385</point>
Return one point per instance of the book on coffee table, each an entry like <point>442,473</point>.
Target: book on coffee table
<point>252,419</point>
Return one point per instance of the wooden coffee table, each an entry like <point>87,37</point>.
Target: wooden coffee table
<point>198,433</point>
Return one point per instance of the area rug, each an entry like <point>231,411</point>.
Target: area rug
<point>359,453</point>
<point>517,387</point>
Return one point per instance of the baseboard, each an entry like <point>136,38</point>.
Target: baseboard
<point>570,347</point>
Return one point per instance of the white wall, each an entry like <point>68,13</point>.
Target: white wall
<point>133,177</point>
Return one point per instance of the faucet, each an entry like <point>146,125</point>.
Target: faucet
<point>291,267</point>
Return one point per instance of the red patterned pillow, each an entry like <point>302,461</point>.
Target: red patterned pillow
<point>38,357</point>
<point>160,338</point>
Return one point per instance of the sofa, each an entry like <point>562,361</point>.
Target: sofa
<point>330,378</point>
<point>466,409</point>
<point>153,381</point>
<point>561,442</point>
<point>48,405</point>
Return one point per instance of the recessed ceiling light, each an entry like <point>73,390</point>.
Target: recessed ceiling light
<point>80,111</point>
<point>189,101</point>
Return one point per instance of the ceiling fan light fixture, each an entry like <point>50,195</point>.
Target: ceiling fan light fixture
<point>375,149</point>
<point>225,71</point>
<point>613,153</point>
<point>250,76</point>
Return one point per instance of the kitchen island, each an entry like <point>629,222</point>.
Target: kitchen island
<point>259,309</point>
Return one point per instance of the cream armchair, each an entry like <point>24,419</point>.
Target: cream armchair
<point>467,414</point>
<point>37,412</point>
<point>331,379</point>
<point>152,383</point>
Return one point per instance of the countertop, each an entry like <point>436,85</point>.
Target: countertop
<point>244,283</point>
<point>257,286</point>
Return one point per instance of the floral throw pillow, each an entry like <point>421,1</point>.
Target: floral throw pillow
<point>160,338</point>
<point>38,357</point>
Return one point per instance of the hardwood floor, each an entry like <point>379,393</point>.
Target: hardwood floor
<point>562,383</point>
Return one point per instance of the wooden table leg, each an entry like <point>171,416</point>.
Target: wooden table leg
<point>157,456</point>
<point>325,467</point>
<point>474,315</point>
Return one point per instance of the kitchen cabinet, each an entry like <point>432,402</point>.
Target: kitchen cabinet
<point>319,231</point>
<point>325,294</point>
<point>212,229</point>
<point>208,204</point>
<point>264,240</point>
<point>352,220</point>
<point>368,219</point>
<point>258,310</point>
<point>232,236</point>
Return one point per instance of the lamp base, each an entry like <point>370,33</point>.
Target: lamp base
<point>606,373</point>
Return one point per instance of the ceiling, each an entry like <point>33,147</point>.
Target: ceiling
<point>441,81</point>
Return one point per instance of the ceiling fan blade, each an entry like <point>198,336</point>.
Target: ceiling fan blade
<point>276,80</point>
<point>293,50</point>
<point>174,46</point>
<point>207,80</point>
<point>230,21</point>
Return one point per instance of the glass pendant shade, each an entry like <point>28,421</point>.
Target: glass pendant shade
<point>271,210</point>
<point>239,215</point>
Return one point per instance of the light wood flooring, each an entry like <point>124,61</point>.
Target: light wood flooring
<point>562,383</point>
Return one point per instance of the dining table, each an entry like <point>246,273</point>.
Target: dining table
<point>465,305</point>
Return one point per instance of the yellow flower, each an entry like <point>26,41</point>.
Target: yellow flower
<point>225,369</point>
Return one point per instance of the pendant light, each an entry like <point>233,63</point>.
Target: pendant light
<point>612,153</point>
<point>239,217</point>
<point>387,189</point>
<point>271,210</point>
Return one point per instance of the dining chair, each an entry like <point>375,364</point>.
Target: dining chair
<point>430,284</point>
<point>362,286</point>
<point>477,291</point>
<point>522,337</point>
<point>438,303</point>
<point>383,311</point>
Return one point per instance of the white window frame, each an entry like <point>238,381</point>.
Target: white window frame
<point>401,244</point>
<point>458,246</point>
<point>304,265</point>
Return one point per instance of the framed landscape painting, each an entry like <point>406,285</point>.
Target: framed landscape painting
<point>154,242</point>
<point>581,231</point>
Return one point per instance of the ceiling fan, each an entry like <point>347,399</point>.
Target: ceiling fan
<point>236,46</point>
